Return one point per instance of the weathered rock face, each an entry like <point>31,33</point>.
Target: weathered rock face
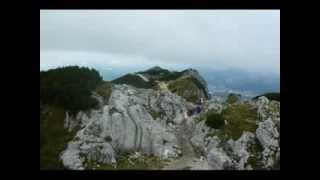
<point>126,124</point>
<point>199,140</point>
<point>267,134</point>
<point>268,109</point>
<point>71,123</point>
<point>78,152</point>
<point>230,155</point>
<point>98,98</point>
<point>152,122</point>
<point>239,150</point>
<point>218,159</point>
<point>268,131</point>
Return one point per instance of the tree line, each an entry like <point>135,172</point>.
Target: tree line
<point>69,87</point>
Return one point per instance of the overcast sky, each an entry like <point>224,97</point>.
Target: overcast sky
<point>244,39</point>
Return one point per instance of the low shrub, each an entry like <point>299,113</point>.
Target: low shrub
<point>215,120</point>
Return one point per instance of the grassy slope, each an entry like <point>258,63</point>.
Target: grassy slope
<point>240,117</point>
<point>181,85</point>
<point>104,90</point>
<point>53,138</point>
<point>123,163</point>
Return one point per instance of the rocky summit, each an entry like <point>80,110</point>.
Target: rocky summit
<point>134,120</point>
<point>150,127</point>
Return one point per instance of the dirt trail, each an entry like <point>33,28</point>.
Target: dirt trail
<point>183,135</point>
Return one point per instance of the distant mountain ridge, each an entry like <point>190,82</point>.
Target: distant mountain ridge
<point>220,82</point>
<point>187,83</point>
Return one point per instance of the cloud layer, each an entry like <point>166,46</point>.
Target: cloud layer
<point>244,39</point>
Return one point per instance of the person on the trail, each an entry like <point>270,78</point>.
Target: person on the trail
<point>198,109</point>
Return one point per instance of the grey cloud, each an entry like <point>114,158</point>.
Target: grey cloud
<point>244,39</point>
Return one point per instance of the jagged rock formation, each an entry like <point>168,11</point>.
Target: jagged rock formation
<point>126,124</point>
<point>268,132</point>
<point>218,160</point>
<point>239,150</point>
<point>238,154</point>
<point>152,121</point>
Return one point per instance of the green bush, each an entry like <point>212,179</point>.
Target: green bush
<point>215,120</point>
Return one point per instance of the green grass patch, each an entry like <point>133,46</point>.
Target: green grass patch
<point>185,88</point>
<point>214,120</point>
<point>240,118</point>
<point>53,138</point>
<point>104,90</point>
